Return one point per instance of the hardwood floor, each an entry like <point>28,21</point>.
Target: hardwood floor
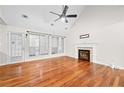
<point>61,71</point>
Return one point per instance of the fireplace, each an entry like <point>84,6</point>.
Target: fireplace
<point>84,55</point>
<point>91,47</point>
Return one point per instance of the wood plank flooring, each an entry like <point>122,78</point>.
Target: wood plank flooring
<point>61,71</point>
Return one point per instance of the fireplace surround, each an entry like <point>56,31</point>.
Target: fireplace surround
<point>86,46</point>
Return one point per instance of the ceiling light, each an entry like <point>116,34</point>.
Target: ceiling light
<point>66,28</point>
<point>63,19</point>
<point>24,16</point>
<point>52,24</point>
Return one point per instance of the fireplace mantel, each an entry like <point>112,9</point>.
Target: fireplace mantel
<point>86,44</point>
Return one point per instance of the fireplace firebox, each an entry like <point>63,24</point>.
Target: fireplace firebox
<point>84,55</point>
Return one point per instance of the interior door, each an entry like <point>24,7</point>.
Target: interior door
<point>16,47</point>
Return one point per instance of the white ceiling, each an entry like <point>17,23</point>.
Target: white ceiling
<point>39,17</point>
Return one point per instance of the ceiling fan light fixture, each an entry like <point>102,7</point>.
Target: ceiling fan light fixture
<point>63,16</point>
<point>63,19</point>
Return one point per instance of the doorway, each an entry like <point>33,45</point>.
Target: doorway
<point>16,47</point>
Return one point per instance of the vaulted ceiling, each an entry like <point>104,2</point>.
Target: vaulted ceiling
<point>39,17</point>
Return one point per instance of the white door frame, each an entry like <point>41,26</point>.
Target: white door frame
<point>22,50</point>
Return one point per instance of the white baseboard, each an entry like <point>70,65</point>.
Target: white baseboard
<point>35,58</point>
<point>98,62</point>
<point>110,65</point>
<point>2,64</point>
<point>44,57</point>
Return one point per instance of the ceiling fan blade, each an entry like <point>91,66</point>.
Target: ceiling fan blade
<point>55,13</point>
<point>57,19</point>
<point>72,15</point>
<point>63,7</point>
<point>65,10</point>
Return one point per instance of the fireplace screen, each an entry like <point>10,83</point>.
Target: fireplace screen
<point>84,55</point>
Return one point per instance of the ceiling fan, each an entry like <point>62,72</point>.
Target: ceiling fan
<point>63,16</point>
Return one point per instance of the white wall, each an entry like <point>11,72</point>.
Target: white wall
<point>105,24</point>
<point>3,45</point>
<point>1,14</point>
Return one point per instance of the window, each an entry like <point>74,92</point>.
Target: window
<point>61,45</point>
<point>39,44</point>
<point>55,41</point>
<point>44,45</point>
<point>33,45</point>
